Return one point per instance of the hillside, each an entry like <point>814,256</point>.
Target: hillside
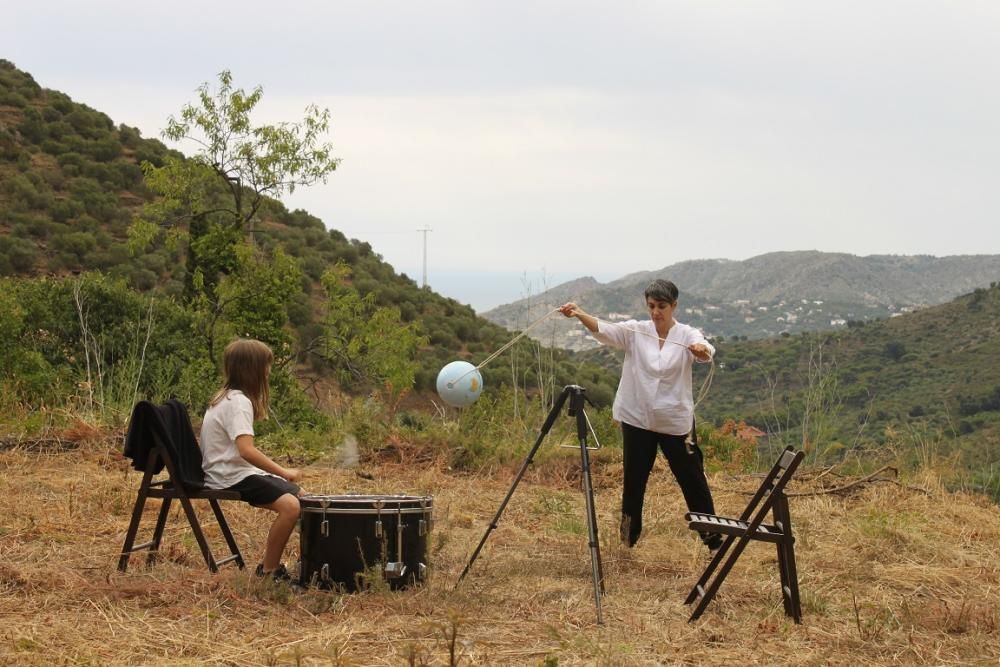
<point>934,372</point>
<point>879,279</point>
<point>887,576</point>
<point>769,294</point>
<point>71,184</point>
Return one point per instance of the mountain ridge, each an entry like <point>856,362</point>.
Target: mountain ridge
<point>763,295</point>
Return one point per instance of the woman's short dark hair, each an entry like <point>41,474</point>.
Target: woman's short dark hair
<point>662,290</point>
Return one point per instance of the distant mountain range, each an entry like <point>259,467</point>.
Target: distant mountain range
<point>780,292</point>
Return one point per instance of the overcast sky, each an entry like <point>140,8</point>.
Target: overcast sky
<point>582,138</point>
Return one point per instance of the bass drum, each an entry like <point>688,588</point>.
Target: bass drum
<point>355,542</point>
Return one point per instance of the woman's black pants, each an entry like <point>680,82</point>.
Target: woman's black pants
<point>686,463</point>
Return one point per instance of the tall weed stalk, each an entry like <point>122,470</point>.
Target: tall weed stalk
<point>112,382</point>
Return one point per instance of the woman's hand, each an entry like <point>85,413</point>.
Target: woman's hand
<point>569,309</point>
<point>700,352</point>
<point>572,310</point>
<point>293,474</point>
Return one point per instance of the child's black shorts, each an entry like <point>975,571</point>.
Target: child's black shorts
<point>261,490</point>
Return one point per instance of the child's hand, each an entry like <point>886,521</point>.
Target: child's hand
<point>293,474</point>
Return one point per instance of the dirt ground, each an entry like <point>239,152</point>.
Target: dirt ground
<point>889,574</point>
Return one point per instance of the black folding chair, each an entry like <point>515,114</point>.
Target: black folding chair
<point>770,497</point>
<point>158,456</point>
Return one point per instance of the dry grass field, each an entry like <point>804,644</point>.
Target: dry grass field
<point>889,575</point>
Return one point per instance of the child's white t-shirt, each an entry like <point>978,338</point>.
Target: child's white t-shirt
<point>225,421</point>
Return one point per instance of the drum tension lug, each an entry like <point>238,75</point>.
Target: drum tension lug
<point>395,570</point>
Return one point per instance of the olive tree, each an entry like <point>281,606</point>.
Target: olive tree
<point>210,202</point>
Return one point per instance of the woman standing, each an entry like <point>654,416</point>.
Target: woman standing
<point>654,402</point>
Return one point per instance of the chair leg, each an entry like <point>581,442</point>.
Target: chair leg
<point>786,561</point>
<point>713,587</point>
<point>133,526</point>
<point>716,559</point>
<point>226,532</point>
<point>161,521</point>
<point>793,582</point>
<point>786,596</point>
<point>198,534</point>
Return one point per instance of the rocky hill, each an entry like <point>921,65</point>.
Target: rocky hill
<point>767,295</point>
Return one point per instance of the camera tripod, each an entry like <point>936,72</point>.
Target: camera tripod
<point>576,397</point>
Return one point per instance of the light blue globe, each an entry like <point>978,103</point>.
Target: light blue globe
<point>459,384</point>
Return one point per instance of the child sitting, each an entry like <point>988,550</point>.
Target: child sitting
<point>229,457</point>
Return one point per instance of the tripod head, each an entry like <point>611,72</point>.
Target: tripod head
<point>577,395</point>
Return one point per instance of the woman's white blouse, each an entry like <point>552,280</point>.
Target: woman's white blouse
<point>655,390</point>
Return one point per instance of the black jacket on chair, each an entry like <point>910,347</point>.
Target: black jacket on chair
<point>171,425</point>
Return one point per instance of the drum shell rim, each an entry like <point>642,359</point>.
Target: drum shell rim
<point>333,511</point>
<point>415,505</point>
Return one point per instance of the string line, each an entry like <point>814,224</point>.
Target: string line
<point>702,392</point>
<point>506,347</point>
<point>517,338</point>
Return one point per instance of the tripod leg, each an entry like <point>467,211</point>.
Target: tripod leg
<point>517,478</point>
<point>593,520</point>
<point>596,568</point>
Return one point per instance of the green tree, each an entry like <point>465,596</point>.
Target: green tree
<point>366,343</point>
<point>213,198</point>
<point>254,299</point>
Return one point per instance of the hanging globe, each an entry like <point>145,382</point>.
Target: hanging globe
<point>459,384</point>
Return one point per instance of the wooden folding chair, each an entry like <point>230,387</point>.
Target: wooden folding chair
<point>750,526</point>
<point>159,457</point>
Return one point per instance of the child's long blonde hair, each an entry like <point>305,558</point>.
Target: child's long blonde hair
<point>246,364</point>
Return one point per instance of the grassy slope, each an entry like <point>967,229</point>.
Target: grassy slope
<point>929,371</point>
<point>887,576</point>
<point>70,186</point>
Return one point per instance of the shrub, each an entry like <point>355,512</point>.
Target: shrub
<point>33,127</point>
<point>105,149</point>
<point>12,98</point>
<point>19,254</point>
<point>731,447</point>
